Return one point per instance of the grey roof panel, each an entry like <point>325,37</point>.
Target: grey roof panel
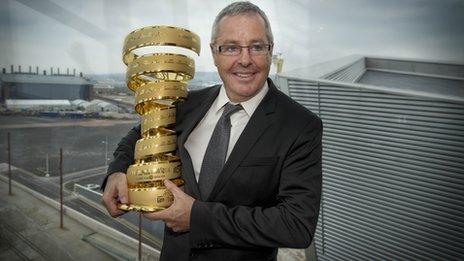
<point>321,70</point>
<point>417,83</point>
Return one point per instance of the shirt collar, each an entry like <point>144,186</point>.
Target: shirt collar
<point>249,106</point>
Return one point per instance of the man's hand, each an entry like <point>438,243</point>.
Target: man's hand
<point>115,192</point>
<point>177,216</point>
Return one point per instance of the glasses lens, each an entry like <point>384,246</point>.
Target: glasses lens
<point>229,49</point>
<point>258,48</point>
<point>235,49</point>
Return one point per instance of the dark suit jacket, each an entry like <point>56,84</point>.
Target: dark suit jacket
<point>268,193</point>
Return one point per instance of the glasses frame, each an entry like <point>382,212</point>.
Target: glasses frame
<point>217,48</point>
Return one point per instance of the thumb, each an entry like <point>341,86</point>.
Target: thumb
<point>172,187</point>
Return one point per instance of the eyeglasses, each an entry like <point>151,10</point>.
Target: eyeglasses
<point>235,49</point>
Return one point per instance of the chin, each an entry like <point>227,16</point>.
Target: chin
<point>246,92</point>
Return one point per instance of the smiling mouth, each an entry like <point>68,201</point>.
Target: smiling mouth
<point>244,75</point>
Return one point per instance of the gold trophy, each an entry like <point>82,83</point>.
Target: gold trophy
<point>158,80</point>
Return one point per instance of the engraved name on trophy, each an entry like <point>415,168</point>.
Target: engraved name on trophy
<point>158,80</point>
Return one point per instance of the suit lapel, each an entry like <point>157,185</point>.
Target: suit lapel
<point>259,122</point>
<point>192,113</point>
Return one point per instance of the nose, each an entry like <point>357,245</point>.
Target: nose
<point>245,57</point>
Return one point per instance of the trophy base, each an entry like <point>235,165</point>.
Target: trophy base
<point>140,208</point>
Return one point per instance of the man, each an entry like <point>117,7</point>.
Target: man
<point>267,193</point>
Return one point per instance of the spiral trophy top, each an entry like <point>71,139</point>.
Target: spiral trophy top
<point>159,36</point>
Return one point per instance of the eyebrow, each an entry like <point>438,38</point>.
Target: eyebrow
<point>236,42</point>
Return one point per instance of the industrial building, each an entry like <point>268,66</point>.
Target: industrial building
<point>393,156</point>
<point>105,106</point>
<point>18,84</point>
<point>86,106</point>
<point>38,105</point>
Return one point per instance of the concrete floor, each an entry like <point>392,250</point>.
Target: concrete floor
<point>29,230</point>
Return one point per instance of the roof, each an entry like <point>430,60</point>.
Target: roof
<point>433,79</point>
<point>103,104</point>
<point>414,83</point>
<point>46,79</point>
<point>19,102</point>
<point>322,69</point>
<point>78,101</point>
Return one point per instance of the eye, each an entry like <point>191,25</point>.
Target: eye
<point>228,48</point>
<point>257,47</point>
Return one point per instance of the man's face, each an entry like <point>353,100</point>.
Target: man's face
<point>245,74</point>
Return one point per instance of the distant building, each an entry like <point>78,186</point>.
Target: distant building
<point>105,106</point>
<point>35,85</point>
<point>38,105</point>
<point>86,106</point>
<point>103,88</point>
<point>393,156</point>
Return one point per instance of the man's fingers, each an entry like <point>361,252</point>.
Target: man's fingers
<point>159,215</point>
<point>112,207</point>
<point>169,224</point>
<point>116,189</point>
<point>172,187</point>
<point>122,190</point>
<point>116,212</point>
<point>122,193</point>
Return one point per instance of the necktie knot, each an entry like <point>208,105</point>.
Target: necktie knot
<point>230,109</point>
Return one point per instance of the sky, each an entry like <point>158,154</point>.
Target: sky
<point>88,34</point>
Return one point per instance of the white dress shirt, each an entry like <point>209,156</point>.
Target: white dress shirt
<point>198,140</point>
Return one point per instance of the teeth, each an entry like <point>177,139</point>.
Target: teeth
<point>244,75</point>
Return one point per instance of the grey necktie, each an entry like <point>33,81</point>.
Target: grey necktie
<point>216,152</point>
